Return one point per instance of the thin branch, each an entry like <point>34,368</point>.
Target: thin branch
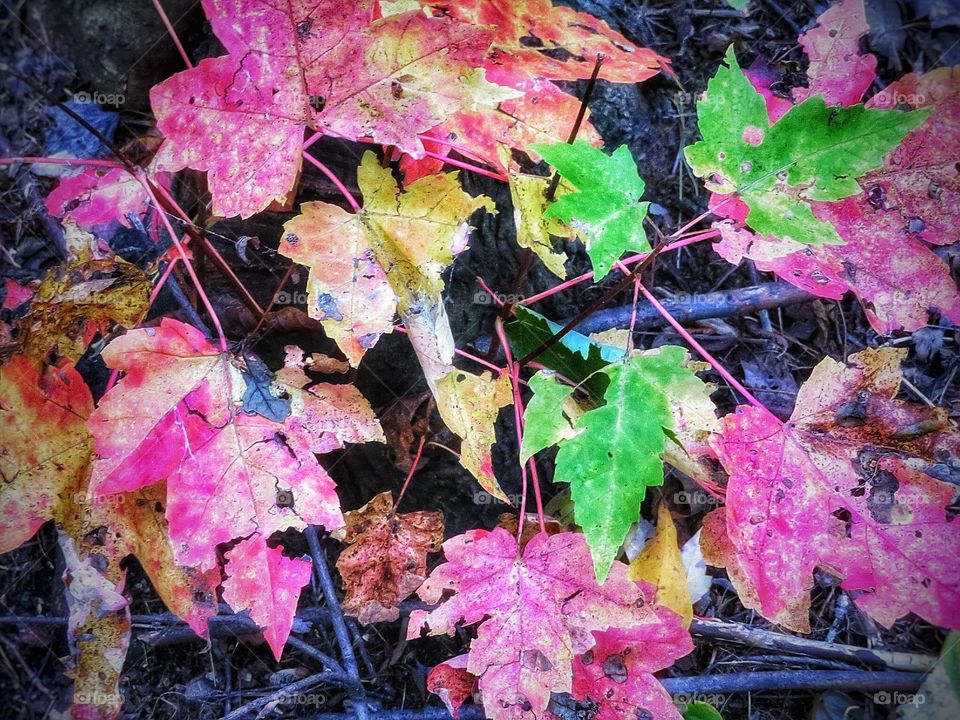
<point>768,640</point>
<point>336,617</point>
<point>688,308</point>
<point>781,680</point>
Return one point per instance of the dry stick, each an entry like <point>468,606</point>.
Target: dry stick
<point>296,688</point>
<point>581,114</point>
<point>318,655</point>
<point>722,303</point>
<point>806,680</point>
<point>768,640</point>
<point>336,617</point>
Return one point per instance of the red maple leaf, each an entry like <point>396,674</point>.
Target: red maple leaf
<point>536,610</point>
<point>178,415</point>
<point>849,483</point>
<point>318,63</point>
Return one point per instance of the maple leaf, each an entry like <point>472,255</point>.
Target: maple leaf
<point>607,212</point>
<point>535,227</point>
<point>44,461</point>
<point>660,564</point>
<point>469,405</point>
<point>614,679</point>
<point>396,248</point>
<point>895,276</point>
<point>387,557</point>
<point>614,453</point>
<point>576,356</point>
<point>76,302</point>
<point>555,42</point>
<point>542,114</point>
<point>262,579</point>
<point>837,70</point>
<point>44,446</point>
<point>918,180</point>
<point>536,610</point>
<point>855,482</point>
<point>452,683</point>
<point>174,416</point>
<point>412,234</point>
<point>95,196</point>
<point>813,152</point>
<point>317,63</point>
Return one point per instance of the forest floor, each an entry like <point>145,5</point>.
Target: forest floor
<point>171,673</point>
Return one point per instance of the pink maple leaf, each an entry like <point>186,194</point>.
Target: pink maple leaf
<point>848,484</point>
<point>536,609</point>
<point>837,70</point>
<point>310,63</point>
<point>263,580</point>
<point>94,197</point>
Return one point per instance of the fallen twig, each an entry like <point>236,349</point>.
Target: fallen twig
<point>766,639</point>
<point>686,308</point>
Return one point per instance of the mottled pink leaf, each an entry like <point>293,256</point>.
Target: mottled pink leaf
<point>536,608</point>
<point>311,63</point>
<point>855,483</point>
<point>614,678</point>
<point>177,415</point>
<point>95,196</point>
<point>837,70</point>
<point>263,580</point>
<point>920,180</point>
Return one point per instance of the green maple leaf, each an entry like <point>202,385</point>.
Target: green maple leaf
<point>814,152</point>
<point>610,455</point>
<point>606,212</point>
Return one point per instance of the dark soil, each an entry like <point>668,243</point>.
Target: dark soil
<point>120,47</point>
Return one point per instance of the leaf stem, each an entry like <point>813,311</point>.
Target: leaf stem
<point>351,200</point>
<point>724,373</point>
<point>413,469</point>
<point>172,33</point>
<point>186,261</point>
